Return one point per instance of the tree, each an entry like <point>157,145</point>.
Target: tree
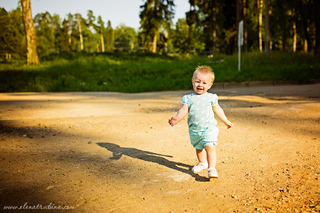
<point>101,30</point>
<point>181,37</point>
<point>192,18</point>
<point>154,15</point>
<point>80,31</point>
<point>241,16</point>
<point>124,38</point>
<point>91,39</point>
<point>109,38</point>
<point>305,8</point>
<point>45,33</point>
<point>56,28</point>
<point>217,17</point>
<point>294,28</point>
<point>267,29</point>
<point>32,51</point>
<point>245,25</point>
<point>282,24</point>
<point>316,6</point>
<point>12,34</point>
<point>70,30</point>
<point>5,38</point>
<point>259,6</point>
<point>64,36</point>
<point>210,10</point>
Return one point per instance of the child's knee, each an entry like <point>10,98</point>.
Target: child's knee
<point>210,147</point>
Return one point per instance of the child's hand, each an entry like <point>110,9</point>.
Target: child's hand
<point>173,121</point>
<point>183,111</point>
<point>228,124</point>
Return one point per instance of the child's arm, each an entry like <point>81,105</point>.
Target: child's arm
<point>220,113</point>
<point>183,111</point>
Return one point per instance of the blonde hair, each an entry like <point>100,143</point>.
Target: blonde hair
<point>204,69</point>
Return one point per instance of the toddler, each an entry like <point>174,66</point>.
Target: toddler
<point>201,107</point>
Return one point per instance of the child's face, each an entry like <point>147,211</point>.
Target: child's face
<point>201,83</point>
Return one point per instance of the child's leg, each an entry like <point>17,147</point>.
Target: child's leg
<point>201,155</point>
<point>202,158</point>
<point>211,155</point>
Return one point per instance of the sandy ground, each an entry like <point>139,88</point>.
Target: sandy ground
<point>113,152</point>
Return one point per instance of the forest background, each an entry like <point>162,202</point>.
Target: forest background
<point>281,42</point>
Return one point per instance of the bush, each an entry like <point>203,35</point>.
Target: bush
<point>138,72</point>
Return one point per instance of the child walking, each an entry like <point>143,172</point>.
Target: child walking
<point>202,107</point>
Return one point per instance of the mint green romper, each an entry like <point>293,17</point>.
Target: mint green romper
<point>203,129</point>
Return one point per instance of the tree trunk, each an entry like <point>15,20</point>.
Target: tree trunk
<point>282,25</point>
<point>166,42</point>
<point>102,41</point>
<point>267,29</point>
<point>307,40</point>
<point>260,3</point>
<point>294,44</point>
<point>214,33</point>
<point>215,39</point>
<point>239,12</point>
<point>189,39</point>
<point>306,24</point>
<point>146,46</point>
<point>80,32</point>
<point>305,45</point>
<point>69,40</point>
<point>154,49</point>
<point>32,50</point>
<point>316,6</point>
<point>245,31</point>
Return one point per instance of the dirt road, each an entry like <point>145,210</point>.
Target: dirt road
<point>113,152</point>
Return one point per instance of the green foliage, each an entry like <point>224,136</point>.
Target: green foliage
<point>180,38</point>
<point>137,72</point>
<point>125,38</point>
<point>294,26</point>
<point>12,34</point>
<point>155,16</point>
<point>109,38</point>
<point>45,33</point>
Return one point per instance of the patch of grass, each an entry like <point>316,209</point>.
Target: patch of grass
<point>138,72</point>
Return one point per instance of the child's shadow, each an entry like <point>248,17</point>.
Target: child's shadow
<point>118,151</point>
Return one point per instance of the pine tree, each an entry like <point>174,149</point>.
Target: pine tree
<point>32,50</point>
